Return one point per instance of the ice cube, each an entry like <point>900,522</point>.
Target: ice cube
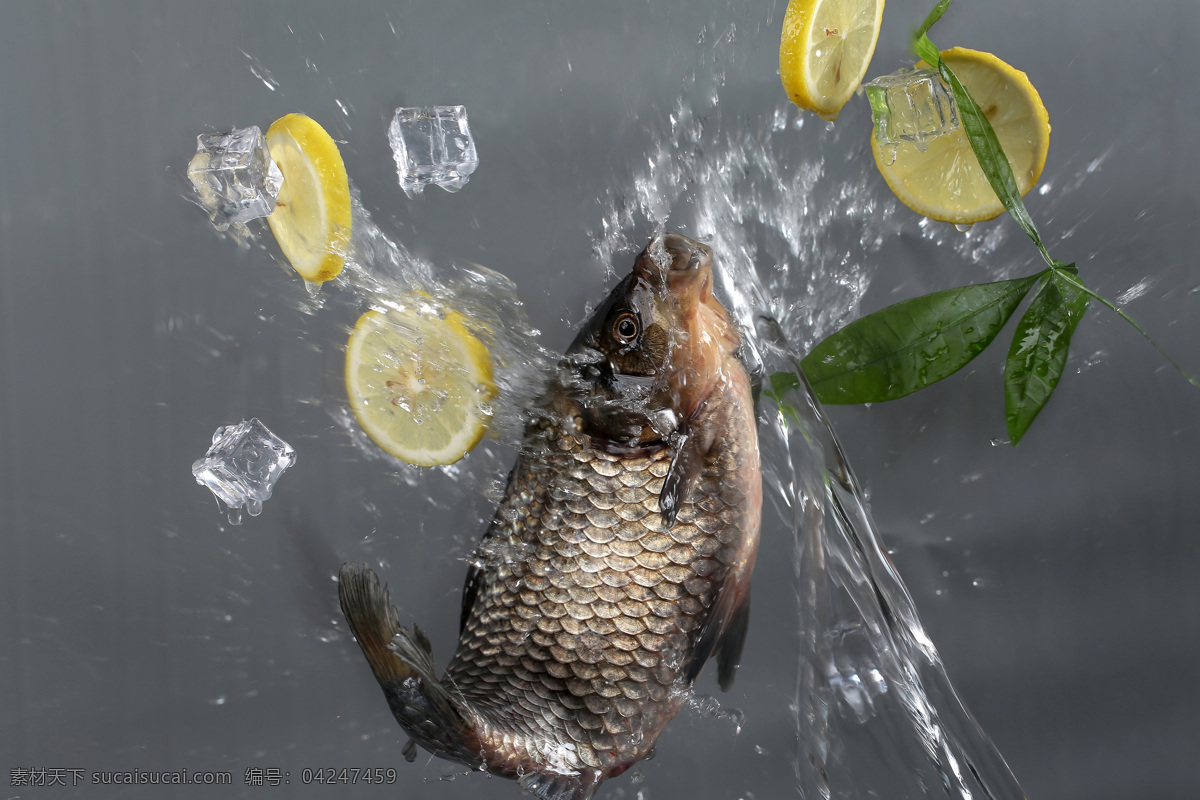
<point>243,464</point>
<point>911,105</point>
<point>432,145</point>
<point>234,176</point>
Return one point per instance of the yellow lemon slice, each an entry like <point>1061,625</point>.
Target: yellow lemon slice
<point>419,382</point>
<point>825,50</point>
<point>945,182</point>
<point>311,220</point>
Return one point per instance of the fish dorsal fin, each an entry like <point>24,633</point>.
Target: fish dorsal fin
<point>470,591</point>
<point>555,786</point>
<point>475,571</point>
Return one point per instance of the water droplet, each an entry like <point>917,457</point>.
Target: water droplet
<point>962,227</point>
<point>1135,291</point>
<point>779,120</point>
<point>313,287</point>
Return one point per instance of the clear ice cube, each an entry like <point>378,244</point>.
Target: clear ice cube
<point>432,145</point>
<point>234,176</point>
<point>243,464</point>
<point>911,105</point>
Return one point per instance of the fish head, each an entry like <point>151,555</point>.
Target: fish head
<point>655,349</point>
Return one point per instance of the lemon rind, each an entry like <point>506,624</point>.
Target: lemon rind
<point>801,86</point>
<point>319,154</point>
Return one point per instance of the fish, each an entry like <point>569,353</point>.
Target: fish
<point>618,561</point>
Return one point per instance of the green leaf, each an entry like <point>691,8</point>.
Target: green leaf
<point>1039,350</point>
<point>921,43</point>
<point>781,384</point>
<point>883,362</point>
<point>991,156</point>
<point>932,19</point>
<point>907,346</point>
<point>982,137</point>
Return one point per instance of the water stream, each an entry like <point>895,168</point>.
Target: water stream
<point>875,713</point>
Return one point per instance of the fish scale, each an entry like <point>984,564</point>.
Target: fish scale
<point>629,591</point>
<point>618,561</point>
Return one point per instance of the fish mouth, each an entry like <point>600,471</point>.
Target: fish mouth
<point>674,253</point>
<point>686,254</point>
<point>685,269</point>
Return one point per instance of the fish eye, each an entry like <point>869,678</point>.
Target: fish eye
<point>626,327</point>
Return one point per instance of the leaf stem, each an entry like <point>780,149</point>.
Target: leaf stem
<point>1074,281</point>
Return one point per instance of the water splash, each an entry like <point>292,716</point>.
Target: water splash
<point>708,707</point>
<point>261,72</point>
<point>875,712</point>
<point>381,273</point>
<point>758,193</point>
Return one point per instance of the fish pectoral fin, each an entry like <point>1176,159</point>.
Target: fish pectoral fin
<point>724,633</point>
<point>690,447</point>
<point>560,787</point>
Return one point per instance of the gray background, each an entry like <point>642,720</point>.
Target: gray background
<point>138,629</point>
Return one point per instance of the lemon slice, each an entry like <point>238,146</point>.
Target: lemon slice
<point>419,382</point>
<point>311,220</point>
<point>825,50</point>
<point>945,182</point>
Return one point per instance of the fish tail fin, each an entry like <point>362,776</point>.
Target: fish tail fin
<point>553,786</point>
<point>403,664</point>
<point>375,624</point>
